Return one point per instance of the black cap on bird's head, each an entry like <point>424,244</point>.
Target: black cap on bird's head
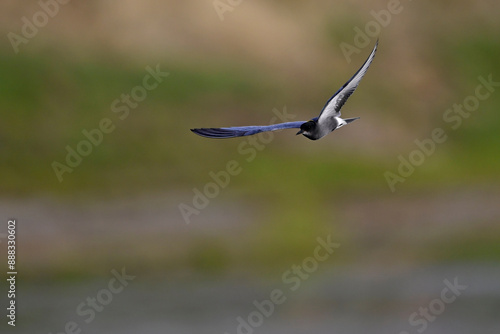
<point>306,127</point>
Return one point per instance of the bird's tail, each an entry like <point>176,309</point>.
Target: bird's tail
<point>349,120</point>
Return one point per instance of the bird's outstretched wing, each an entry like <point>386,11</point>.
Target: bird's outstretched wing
<point>335,103</point>
<point>240,131</point>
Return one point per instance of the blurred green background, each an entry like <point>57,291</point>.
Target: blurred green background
<point>120,206</point>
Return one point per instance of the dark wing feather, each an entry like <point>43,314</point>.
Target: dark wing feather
<point>335,103</point>
<point>240,131</point>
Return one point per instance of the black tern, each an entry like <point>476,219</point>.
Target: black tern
<point>328,120</point>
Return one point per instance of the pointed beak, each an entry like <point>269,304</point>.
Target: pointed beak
<point>299,133</point>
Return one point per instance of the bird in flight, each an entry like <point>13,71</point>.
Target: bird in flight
<point>328,120</point>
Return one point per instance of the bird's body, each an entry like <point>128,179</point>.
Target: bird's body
<point>328,120</point>
<point>315,130</point>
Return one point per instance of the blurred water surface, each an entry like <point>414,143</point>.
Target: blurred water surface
<point>337,300</point>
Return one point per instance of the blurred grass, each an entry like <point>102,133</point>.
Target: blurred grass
<point>49,106</point>
<point>479,246</point>
<point>50,100</point>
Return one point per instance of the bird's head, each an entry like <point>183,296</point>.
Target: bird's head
<point>307,128</point>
